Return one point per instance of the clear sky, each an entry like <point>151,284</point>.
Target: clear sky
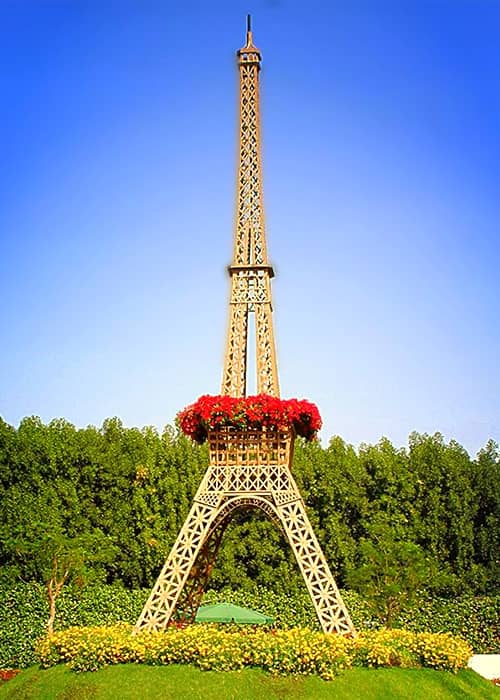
<point>381,157</point>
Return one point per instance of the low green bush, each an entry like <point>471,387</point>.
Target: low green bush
<point>475,619</point>
<point>24,612</point>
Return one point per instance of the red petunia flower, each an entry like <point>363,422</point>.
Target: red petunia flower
<point>257,412</point>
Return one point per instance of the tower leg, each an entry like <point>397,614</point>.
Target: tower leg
<point>234,376</point>
<point>190,597</point>
<point>330,609</point>
<point>267,370</point>
<point>163,599</point>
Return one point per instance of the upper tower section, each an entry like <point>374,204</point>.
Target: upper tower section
<point>250,243</point>
<point>250,270</point>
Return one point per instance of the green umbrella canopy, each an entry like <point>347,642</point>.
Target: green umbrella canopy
<point>227,612</point>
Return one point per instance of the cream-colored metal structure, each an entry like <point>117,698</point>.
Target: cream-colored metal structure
<point>248,468</point>
<point>250,272</point>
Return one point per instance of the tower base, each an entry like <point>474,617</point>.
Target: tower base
<point>248,469</point>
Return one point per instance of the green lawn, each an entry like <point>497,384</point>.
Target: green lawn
<point>140,682</point>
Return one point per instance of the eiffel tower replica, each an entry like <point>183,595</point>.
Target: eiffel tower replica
<point>249,468</point>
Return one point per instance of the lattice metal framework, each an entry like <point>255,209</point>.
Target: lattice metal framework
<point>250,272</point>
<point>248,468</point>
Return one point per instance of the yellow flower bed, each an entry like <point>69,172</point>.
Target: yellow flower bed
<point>292,651</point>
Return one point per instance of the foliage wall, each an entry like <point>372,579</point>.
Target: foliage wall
<point>112,499</point>
<point>23,614</point>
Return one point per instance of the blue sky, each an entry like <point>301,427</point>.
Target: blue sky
<point>382,193</point>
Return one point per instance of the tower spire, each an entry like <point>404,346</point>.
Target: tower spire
<point>250,271</point>
<point>249,31</point>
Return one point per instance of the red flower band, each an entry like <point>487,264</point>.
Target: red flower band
<point>262,411</point>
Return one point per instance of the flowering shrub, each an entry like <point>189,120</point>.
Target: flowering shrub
<point>442,650</point>
<point>386,648</point>
<point>258,412</point>
<point>283,652</point>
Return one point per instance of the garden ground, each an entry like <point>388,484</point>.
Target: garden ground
<point>139,682</point>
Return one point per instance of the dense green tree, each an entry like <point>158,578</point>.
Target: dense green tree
<point>332,483</point>
<point>392,572</point>
<point>8,452</point>
<point>389,485</point>
<point>131,489</point>
<point>444,503</point>
<point>254,553</point>
<point>486,484</point>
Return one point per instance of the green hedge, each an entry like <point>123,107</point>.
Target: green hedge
<point>475,619</point>
<point>24,612</point>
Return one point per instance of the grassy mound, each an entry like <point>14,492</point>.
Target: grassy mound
<point>138,682</point>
